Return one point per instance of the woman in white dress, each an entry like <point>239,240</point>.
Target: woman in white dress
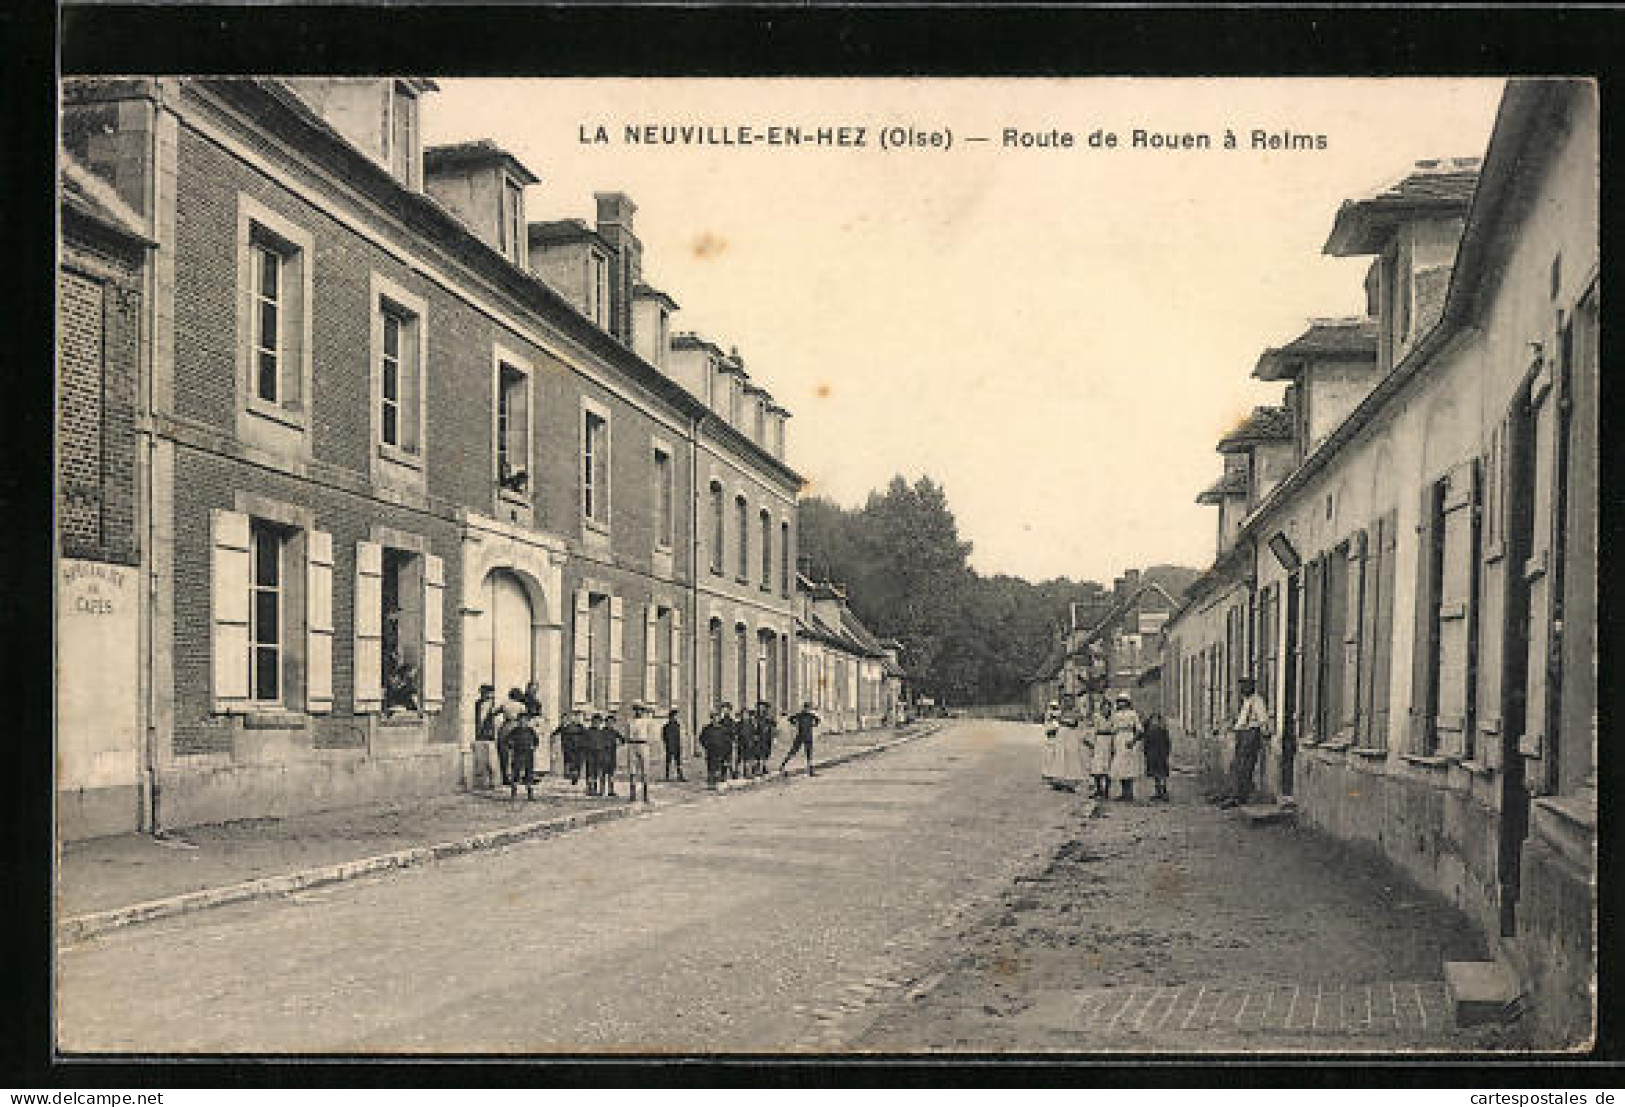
<point>1101,766</point>
<point>1071,766</point>
<point>1052,745</point>
<point>1128,755</point>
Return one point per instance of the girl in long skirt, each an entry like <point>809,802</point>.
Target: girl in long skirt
<point>1101,768</point>
<point>1052,746</point>
<point>1128,755</point>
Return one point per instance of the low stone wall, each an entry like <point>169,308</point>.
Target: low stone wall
<point>328,780</point>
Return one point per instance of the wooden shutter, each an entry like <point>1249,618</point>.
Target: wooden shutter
<point>434,636</point>
<point>1370,596</point>
<point>229,581</point>
<point>1354,616</point>
<point>617,645</point>
<point>318,622</point>
<point>651,632</point>
<point>674,685</point>
<point>1457,593</point>
<point>369,635</point>
<point>581,644</point>
<point>1542,454</point>
<point>1425,624</point>
<point>1309,699</point>
<point>1382,629</point>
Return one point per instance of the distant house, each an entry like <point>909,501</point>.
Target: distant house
<point>851,679</point>
<point>1115,649</point>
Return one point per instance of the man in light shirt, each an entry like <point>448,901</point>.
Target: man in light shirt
<point>1252,723</point>
<point>639,737</point>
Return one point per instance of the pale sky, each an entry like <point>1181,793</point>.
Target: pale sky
<point>1058,336</point>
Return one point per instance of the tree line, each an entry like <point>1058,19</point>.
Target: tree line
<point>967,638</point>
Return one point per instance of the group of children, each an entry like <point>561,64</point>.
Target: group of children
<point>1112,744</point>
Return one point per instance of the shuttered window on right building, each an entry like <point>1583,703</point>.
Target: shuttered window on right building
<point>1444,673</point>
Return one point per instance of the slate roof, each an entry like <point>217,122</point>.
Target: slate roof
<point>1231,484</point>
<point>1122,605</point>
<point>649,291</point>
<point>1349,339</point>
<point>1434,186</point>
<point>479,151</point>
<point>1265,424</point>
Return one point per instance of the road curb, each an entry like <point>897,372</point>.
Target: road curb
<point>80,927</point>
<point>829,762</point>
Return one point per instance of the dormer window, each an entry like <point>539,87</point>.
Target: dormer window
<point>598,288</point>
<point>401,127</point>
<point>513,220</point>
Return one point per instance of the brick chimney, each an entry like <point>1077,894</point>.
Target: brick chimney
<point>615,212</point>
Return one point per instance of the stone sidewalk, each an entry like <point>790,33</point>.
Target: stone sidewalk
<point>104,883</point>
<point>1182,928</point>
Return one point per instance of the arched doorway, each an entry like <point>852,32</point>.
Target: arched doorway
<point>504,638</point>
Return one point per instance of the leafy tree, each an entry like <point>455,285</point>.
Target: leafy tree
<point>966,638</point>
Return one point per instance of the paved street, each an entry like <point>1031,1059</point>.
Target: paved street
<point>746,922</point>
<point>934,898</point>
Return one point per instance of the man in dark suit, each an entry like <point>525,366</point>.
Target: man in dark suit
<point>572,736</point>
<point>714,740</point>
<point>672,735</point>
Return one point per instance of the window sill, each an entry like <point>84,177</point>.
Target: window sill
<point>1372,752</point>
<point>273,719</point>
<point>401,718</point>
<point>513,499</point>
<point>594,526</point>
<point>1426,760</point>
<point>1477,768</point>
<point>397,455</point>
<point>275,413</point>
<point>1337,747</point>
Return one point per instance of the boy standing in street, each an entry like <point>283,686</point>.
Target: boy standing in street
<point>522,742</point>
<point>672,735</point>
<point>639,736</point>
<point>804,721</point>
<point>486,721</point>
<point>609,741</point>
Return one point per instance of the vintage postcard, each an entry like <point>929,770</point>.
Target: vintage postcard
<point>840,566</point>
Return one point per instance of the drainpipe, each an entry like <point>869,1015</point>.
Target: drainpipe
<point>693,667</point>
<point>144,492</point>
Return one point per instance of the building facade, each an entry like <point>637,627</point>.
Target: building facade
<point>101,284</point>
<point>1418,595</point>
<point>400,442</point>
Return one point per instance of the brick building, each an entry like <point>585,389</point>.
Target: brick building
<point>1417,596</point>
<point>403,442</point>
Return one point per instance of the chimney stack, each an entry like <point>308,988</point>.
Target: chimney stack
<point>615,212</point>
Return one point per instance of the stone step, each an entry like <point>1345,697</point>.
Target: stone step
<point>1480,991</point>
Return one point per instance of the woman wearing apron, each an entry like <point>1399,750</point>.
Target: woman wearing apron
<point>1128,755</point>
<point>1101,768</point>
<point>1052,745</point>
